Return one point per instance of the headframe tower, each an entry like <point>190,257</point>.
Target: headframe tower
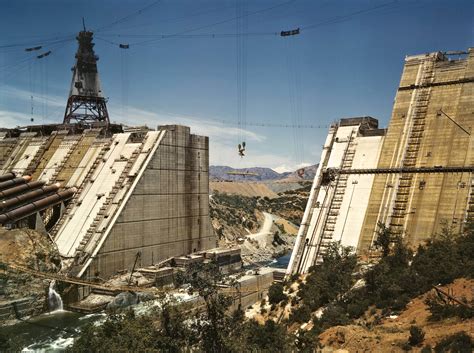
<point>86,104</point>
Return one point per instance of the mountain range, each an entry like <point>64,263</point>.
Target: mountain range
<point>217,172</point>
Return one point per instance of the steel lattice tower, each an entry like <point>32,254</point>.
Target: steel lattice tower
<point>86,104</point>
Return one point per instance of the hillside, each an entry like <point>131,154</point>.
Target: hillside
<point>250,189</point>
<point>26,248</point>
<point>403,301</point>
<point>309,173</point>
<point>238,209</point>
<point>393,332</point>
<point>264,174</point>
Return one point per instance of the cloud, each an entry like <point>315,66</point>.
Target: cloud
<point>223,138</point>
<point>14,93</point>
<point>291,167</point>
<point>212,128</point>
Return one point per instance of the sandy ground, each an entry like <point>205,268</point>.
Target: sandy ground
<point>392,333</point>
<point>250,189</point>
<point>262,237</point>
<point>258,247</point>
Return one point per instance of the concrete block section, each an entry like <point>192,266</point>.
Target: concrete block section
<point>167,213</point>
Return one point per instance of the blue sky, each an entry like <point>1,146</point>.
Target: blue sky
<point>346,62</point>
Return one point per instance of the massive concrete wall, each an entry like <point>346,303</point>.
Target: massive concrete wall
<point>168,211</point>
<point>138,191</point>
<point>431,127</point>
<point>429,83</point>
<point>336,209</point>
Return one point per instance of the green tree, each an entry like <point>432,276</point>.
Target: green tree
<point>276,294</point>
<point>385,239</point>
<point>459,342</point>
<point>213,324</point>
<point>162,331</point>
<point>330,279</point>
<point>417,336</point>
<point>268,338</point>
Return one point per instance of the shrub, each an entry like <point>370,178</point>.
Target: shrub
<point>458,343</point>
<point>275,293</point>
<point>334,315</point>
<point>300,315</point>
<point>307,341</point>
<point>385,239</point>
<point>440,310</point>
<point>417,336</point>
<point>328,280</point>
<point>270,337</point>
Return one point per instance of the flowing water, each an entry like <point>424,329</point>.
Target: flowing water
<point>281,262</point>
<point>55,331</point>
<point>52,332</point>
<point>54,299</point>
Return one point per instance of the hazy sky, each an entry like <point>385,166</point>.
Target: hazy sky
<point>346,61</point>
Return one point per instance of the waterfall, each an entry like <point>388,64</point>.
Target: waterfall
<point>54,299</point>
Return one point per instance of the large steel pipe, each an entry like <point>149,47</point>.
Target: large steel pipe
<point>21,188</point>
<point>18,200</point>
<point>36,206</point>
<point>7,176</point>
<point>13,182</point>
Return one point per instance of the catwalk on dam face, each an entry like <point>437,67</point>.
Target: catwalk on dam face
<point>421,179</point>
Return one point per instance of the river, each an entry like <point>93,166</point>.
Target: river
<point>54,332</point>
<point>51,332</point>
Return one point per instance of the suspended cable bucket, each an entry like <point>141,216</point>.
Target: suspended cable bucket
<point>241,148</point>
<point>34,48</point>
<point>292,32</point>
<point>44,54</point>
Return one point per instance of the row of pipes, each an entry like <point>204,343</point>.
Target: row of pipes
<point>16,191</point>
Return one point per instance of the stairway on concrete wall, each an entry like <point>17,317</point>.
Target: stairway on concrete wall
<point>87,179</point>
<point>58,137</point>
<point>60,158</point>
<point>340,186</point>
<point>470,205</point>
<point>6,155</point>
<point>305,228</point>
<point>418,116</point>
<point>17,151</point>
<point>36,160</point>
<point>75,155</point>
<point>110,203</point>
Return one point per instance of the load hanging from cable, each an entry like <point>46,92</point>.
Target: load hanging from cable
<point>241,148</point>
<point>292,32</point>
<point>44,54</point>
<point>34,48</point>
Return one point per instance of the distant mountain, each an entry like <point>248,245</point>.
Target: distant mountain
<point>217,172</point>
<point>309,173</point>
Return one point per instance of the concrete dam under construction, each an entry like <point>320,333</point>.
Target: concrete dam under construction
<point>113,198</point>
<point>414,177</point>
<point>106,193</point>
